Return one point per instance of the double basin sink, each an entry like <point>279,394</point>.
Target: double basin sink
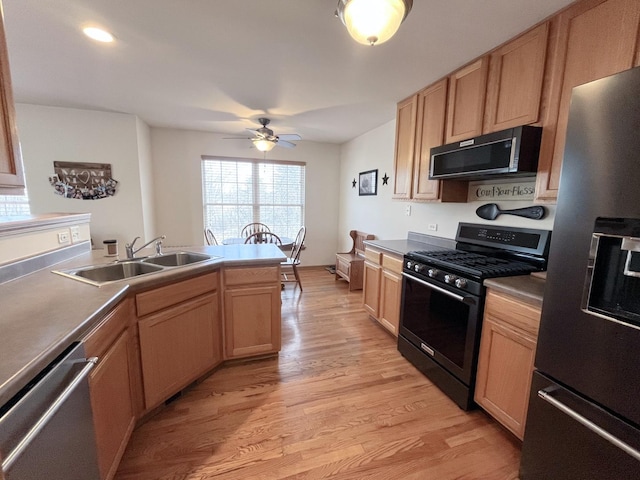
<point>121,270</point>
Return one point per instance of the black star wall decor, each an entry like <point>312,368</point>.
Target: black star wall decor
<point>353,184</point>
<point>385,179</point>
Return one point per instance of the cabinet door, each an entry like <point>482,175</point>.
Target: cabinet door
<point>252,321</point>
<point>432,104</point>
<point>465,107</point>
<point>390,292</point>
<point>111,402</point>
<point>505,366</point>
<point>11,172</point>
<point>405,147</point>
<point>514,88</point>
<point>371,289</point>
<point>177,345</point>
<point>595,38</point>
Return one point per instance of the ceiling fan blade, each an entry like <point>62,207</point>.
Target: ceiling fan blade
<point>256,133</point>
<point>284,143</point>
<point>289,136</point>
<point>237,138</point>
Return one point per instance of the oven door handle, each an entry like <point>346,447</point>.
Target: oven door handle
<point>468,300</point>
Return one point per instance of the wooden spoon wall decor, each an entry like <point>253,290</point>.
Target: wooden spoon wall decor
<point>490,211</point>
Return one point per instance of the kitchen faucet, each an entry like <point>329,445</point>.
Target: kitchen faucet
<point>131,253</point>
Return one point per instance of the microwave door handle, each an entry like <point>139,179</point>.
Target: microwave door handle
<point>460,298</point>
<point>512,160</point>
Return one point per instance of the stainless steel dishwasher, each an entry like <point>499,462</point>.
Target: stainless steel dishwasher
<point>46,430</point>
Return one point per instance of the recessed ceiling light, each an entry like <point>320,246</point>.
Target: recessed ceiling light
<point>98,34</point>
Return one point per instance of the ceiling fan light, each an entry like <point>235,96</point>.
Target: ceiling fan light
<point>263,144</point>
<point>372,22</point>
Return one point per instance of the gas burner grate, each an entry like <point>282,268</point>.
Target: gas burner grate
<point>481,266</point>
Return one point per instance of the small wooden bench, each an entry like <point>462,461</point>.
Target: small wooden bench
<point>350,265</point>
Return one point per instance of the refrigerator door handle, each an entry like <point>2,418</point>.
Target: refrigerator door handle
<point>546,395</point>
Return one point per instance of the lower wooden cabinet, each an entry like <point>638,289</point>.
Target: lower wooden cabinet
<point>383,287</point>
<point>178,345</point>
<point>252,308</point>
<point>110,386</point>
<point>505,362</point>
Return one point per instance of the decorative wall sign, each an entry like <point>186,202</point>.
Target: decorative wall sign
<point>85,181</point>
<point>501,191</point>
<point>368,183</point>
<point>385,179</point>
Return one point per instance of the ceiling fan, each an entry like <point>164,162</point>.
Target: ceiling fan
<point>264,139</point>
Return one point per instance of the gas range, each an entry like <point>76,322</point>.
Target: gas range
<point>481,252</point>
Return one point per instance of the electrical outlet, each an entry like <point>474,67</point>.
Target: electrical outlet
<point>433,227</point>
<point>75,234</point>
<point>63,237</point>
<point>407,210</point>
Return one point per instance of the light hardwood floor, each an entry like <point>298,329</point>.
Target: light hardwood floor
<point>338,402</point>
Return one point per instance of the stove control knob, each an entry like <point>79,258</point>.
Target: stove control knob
<point>461,283</point>
<point>449,278</point>
<point>419,268</point>
<point>433,272</point>
<point>410,265</point>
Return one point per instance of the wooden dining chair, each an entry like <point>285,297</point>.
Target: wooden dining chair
<point>254,227</point>
<point>290,265</point>
<point>264,237</point>
<point>210,237</point>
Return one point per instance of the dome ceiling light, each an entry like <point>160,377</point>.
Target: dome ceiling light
<point>372,22</point>
<point>98,34</point>
<point>263,144</point>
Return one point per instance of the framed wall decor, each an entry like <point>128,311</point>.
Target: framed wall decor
<point>368,182</point>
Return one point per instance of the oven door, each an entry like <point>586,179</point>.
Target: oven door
<point>442,323</point>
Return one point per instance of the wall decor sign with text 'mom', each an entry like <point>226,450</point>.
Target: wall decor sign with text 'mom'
<point>84,181</point>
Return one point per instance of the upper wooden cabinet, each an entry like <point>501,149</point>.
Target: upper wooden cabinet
<point>514,88</point>
<point>420,126</point>
<point>593,39</point>
<point>405,145</point>
<point>465,107</point>
<point>11,172</point>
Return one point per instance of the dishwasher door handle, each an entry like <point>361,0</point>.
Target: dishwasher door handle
<point>48,414</point>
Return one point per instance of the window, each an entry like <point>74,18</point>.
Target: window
<point>237,192</point>
<point>13,205</point>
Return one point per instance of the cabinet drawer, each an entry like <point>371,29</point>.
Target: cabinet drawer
<point>163,297</point>
<point>392,263</point>
<point>374,256</point>
<point>110,328</point>
<point>514,312</point>
<point>244,276</point>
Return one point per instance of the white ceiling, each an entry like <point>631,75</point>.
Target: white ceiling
<point>218,65</point>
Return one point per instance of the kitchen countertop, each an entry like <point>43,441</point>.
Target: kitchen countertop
<point>43,313</point>
<point>414,241</point>
<point>527,288</point>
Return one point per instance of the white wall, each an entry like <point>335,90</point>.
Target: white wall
<point>386,217</point>
<point>178,186</point>
<point>49,134</point>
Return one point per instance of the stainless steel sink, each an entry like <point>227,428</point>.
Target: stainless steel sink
<point>101,274</point>
<point>123,269</point>
<point>176,259</point>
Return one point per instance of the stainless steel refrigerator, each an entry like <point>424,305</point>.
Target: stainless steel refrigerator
<point>584,410</point>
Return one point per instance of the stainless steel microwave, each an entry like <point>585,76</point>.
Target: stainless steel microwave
<point>511,152</point>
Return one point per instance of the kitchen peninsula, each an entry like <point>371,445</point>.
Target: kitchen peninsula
<point>153,334</point>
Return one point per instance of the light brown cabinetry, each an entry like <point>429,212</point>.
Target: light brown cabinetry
<point>465,105</point>
<point>516,73</point>
<point>110,385</point>
<point>420,126</point>
<point>252,311</point>
<point>405,147</point>
<point>383,287</point>
<point>11,171</point>
<point>180,337</point>
<point>593,39</point>
<point>505,361</point>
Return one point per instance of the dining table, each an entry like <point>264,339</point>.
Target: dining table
<point>287,242</point>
